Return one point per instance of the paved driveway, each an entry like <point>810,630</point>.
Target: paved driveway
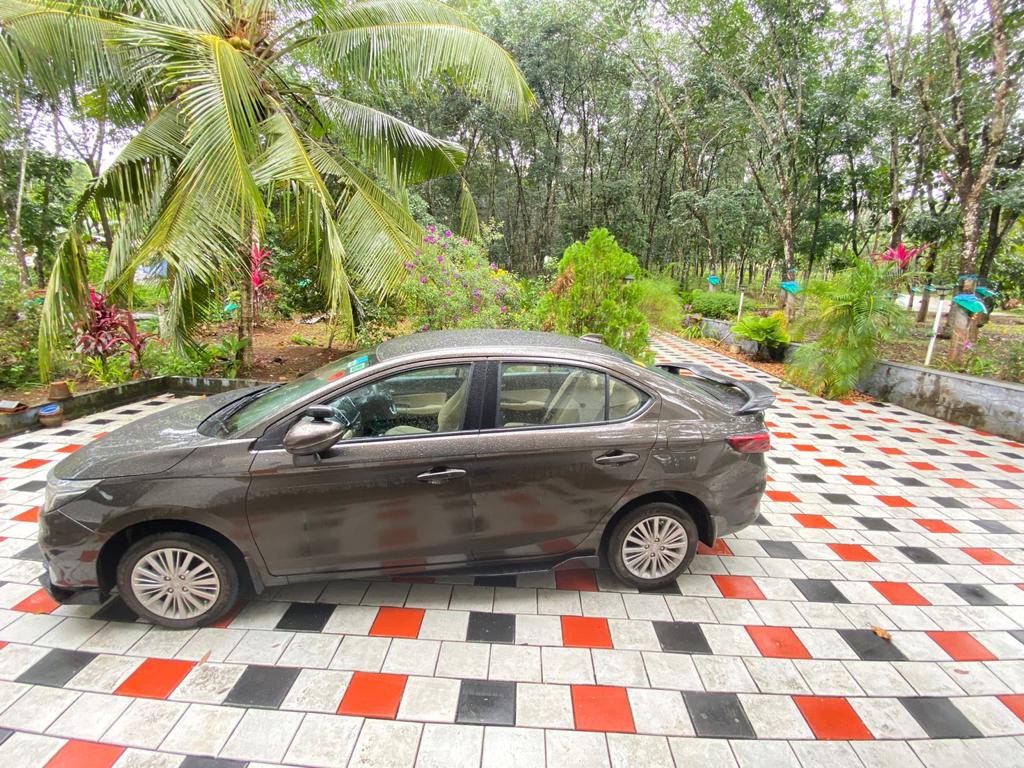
<point>765,655</point>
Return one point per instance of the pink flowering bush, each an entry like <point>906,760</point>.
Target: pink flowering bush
<point>451,284</point>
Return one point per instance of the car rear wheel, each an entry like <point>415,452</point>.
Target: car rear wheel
<point>652,545</point>
<point>177,580</point>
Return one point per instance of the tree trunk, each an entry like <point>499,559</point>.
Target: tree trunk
<point>963,325</point>
<point>246,318</point>
<point>929,271</point>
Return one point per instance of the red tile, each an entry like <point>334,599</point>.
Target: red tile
<point>585,632</point>
<point>830,462</point>
<point>784,435</point>
<point>832,717</point>
<point>98,435</point>
<point>778,642</point>
<point>155,678</point>
<point>935,526</point>
<point>602,708</point>
<point>30,515</point>
<point>895,501</point>
<point>32,464</point>
<point>782,496</point>
<point>892,451</point>
<point>581,579</point>
<point>999,503</point>
<point>958,482</point>
<point>986,556</point>
<point>898,593</point>
<point>813,521</point>
<point>85,754</point>
<point>974,454</point>
<point>915,430</point>
<point>738,587</point>
<point>69,448</point>
<point>37,602</point>
<point>397,622</point>
<point>865,438</point>
<point>721,548</point>
<point>373,694</point>
<point>923,465</point>
<point>961,646</point>
<point>1014,702</point>
<point>805,448</point>
<point>858,479</point>
<point>1009,468</point>
<point>853,553</point>
<point>942,441</point>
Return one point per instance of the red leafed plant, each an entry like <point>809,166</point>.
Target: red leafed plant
<point>108,329</point>
<point>262,281</point>
<point>901,255</point>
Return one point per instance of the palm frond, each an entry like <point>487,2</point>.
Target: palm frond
<point>469,219</point>
<point>66,298</point>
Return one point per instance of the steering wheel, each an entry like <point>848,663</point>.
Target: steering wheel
<point>350,414</point>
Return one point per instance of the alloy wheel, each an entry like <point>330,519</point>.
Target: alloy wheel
<point>175,583</point>
<point>654,547</point>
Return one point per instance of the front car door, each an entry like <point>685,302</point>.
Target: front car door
<point>393,492</point>
<point>562,444</point>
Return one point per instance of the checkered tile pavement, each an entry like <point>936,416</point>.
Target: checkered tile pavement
<point>765,654</point>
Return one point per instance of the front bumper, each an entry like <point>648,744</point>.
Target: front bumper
<point>86,596</point>
<point>70,554</point>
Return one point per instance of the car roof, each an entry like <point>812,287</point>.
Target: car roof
<point>497,342</point>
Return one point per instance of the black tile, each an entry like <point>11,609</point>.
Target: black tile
<point>718,715</point>
<point>56,667</point>
<point>782,460</point>
<point>878,464</point>
<point>681,637</point>
<point>487,702</point>
<point>5,734</point>
<point>101,421</point>
<point>28,446</point>
<point>870,647</point>
<point>994,526</point>
<point>672,588</point>
<point>761,520</point>
<point>115,610</point>
<point>786,549</point>
<point>838,498</point>
<point>949,502</point>
<point>850,449</point>
<point>824,436</point>
<point>909,482</point>
<point>933,452</point>
<point>198,761</point>
<point>921,555</point>
<point>820,591</point>
<point>68,432</point>
<point>975,594</point>
<point>491,627</point>
<point>263,687</point>
<point>1018,635</point>
<point>967,467</point>
<point>506,580</point>
<point>32,486</point>
<point>306,617</point>
<point>875,524</point>
<point>130,411</point>
<point>30,553</point>
<point>939,718</point>
<point>1006,485</point>
<point>803,478</point>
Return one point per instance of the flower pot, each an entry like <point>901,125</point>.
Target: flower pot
<point>59,390</point>
<point>51,415</point>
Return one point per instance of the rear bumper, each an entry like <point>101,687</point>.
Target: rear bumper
<point>733,523</point>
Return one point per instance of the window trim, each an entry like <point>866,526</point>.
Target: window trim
<point>272,438</point>
<point>492,407</point>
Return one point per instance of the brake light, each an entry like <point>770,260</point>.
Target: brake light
<point>758,442</point>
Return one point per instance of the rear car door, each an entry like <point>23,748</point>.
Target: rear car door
<point>393,492</point>
<point>560,445</point>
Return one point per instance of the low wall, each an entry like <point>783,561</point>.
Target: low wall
<point>985,404</point>
<point>111,397</point>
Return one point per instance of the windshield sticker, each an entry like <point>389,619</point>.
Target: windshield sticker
<point>350,367</point>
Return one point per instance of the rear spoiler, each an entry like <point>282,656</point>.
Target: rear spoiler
<point>759,397</point>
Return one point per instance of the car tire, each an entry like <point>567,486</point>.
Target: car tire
<point>628,561</point>
<point>164,556</point>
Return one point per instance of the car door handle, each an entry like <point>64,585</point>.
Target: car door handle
<point>440,475</point>
<point>616,457</point>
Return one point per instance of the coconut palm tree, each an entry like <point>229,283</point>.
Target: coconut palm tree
<point>253,110</point>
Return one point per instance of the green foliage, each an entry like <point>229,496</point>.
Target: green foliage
<point>592,295</point>
<point>158,360</point>
<point>110,370</point>
<point>715,304</point>
<point>19,326</point>
<point>692,331</point>
<point>302,341</point>
<point>769,333</point>
<point>451,284</point>
<point>660,302</point>
<point>227,355</point>
<point>851,315</point>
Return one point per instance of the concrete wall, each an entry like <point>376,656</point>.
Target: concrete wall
<point>986,404</point>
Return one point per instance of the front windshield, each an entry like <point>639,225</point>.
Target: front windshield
<point>280,398</point>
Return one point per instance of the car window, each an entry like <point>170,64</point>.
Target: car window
<point>623,399</point>
<point>548,395</point>
<point>425,401</point>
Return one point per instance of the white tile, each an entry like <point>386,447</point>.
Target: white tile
<point>89,716</point>
<point>659,712</point>
<point>450,746</point>
<point>262,734</point>
<point>512,747</point>
<point>386,744</point>
<point>430,699</point>
<point>145,723</point>
<point>324,741</point>
<point>317,690</point>
<point>37,708</point>
<point>576,749</point>
<point>544,706</point>
<point>202,730</point>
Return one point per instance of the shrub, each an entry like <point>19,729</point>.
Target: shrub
<point>451,284</point>
<point>660,302</point>
<point>854,315</point>
<point>591,295</point>
<point>19,329</point>
<point>769,333</point>
<point>106,332</point>
<point>715,304</point>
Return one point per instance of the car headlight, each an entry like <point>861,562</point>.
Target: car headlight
<point>59,492</point>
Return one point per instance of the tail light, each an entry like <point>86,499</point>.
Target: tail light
<point>758,442</point>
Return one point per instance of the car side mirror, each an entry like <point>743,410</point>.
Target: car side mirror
<point>306,438</point>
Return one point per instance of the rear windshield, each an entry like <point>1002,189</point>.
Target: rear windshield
<point>729,396</point>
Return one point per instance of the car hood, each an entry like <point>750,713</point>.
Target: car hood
<point>147,446</point>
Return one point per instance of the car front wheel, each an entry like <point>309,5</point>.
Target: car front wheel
<point>177,580</point>
<point>652,545</point>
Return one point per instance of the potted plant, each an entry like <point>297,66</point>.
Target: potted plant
<point>769,333</point>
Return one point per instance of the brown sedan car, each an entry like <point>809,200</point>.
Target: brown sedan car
<point>452,451</point>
